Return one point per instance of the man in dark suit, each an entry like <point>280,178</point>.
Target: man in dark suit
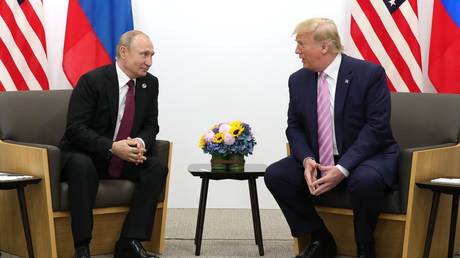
<point>111,129</point>
<point>340,136</point>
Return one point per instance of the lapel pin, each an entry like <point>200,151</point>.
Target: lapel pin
<point>346,81</point>
<point>144,85</point>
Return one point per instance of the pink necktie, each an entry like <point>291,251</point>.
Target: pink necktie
<point>324,122</point>
<point>116,164</point>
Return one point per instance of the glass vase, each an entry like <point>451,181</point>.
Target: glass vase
<point>236,162</point>
<point>218,162</point>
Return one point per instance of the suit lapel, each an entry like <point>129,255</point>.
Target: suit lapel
<point>141,85</point>
<point>344,80</point>
<point>306,99</point>
<point>113,94</point>
<point>312,114</point>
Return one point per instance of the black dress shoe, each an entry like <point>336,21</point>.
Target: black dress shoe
<point>320,249</point>
<point>131,249</point>
<point>82,252</point>
<point>366,250</point>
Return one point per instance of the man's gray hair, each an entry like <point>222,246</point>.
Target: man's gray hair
<point>127,38</point>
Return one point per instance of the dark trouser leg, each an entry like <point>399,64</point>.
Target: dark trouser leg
<point>285,180</point>
<point>82,177</point>
<point>149,178</point>
<point>366,188</point>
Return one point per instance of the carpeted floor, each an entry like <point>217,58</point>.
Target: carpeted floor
<point>227,233</point>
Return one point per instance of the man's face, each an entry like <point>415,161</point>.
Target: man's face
<point>310,51</point>
<point>138,58</point>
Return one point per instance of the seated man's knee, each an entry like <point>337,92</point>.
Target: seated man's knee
<point>365,180</point>
<point>280,171</point>
<point>79,164</point>
<point>157,166</point>
<point>272,174</point>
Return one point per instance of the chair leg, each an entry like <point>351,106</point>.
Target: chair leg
<point>158,233</point>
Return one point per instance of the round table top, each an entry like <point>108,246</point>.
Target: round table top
<point>12,180</point>
<point>440,187</point>
<point>250,171</point>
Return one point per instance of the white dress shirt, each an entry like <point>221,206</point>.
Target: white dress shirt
<point>332,72</point>
<point>123,80</point>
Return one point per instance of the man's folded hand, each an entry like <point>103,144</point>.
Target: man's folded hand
<point>130,150</point>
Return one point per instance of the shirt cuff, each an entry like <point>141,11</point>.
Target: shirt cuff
<point>142,141</point>
<point>305,160</point>
<point>344,171</point>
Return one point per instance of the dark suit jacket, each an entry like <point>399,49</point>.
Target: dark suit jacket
<point>362,111</point>
<point>93,109</point>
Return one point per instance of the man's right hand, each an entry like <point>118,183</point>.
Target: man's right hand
<point>127,150</point>
<point>310,174</point>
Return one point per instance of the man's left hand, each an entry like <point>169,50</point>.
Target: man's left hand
<point>330,178</point>
<point>140,149</point>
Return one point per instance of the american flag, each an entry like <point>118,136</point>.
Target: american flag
<point>23,61</point>
<point>386,32</point>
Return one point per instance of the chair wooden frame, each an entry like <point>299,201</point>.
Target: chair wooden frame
<point>51,233</point>
<point>402,235</point>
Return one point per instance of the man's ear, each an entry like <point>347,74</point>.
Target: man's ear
<point>324,48</point>
<point>123,50</point>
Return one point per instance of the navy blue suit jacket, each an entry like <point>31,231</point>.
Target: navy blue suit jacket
<point>362,111</point>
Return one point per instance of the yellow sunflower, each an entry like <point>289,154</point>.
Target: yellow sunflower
<point>235,123</point>
<point>236,129</point>
<point>218,138</point>
<point>202,142</point>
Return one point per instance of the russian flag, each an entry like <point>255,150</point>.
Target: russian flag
<point>92,32</point>
<point>444,61</point>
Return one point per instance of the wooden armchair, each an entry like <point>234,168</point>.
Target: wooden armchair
<point>427,127</point>
<point>31,124</point>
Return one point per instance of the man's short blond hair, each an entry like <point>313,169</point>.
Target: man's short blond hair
<point>127,38</point>
<point>323,29</point>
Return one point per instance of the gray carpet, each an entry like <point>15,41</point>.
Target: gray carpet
<point>227,233</point>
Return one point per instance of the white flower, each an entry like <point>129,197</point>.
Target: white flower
<point>229,139</point>
<point>224,127</point>
<point>209,136</point>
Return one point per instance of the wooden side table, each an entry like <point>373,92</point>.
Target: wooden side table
<point>251,173</point>
<point>19,184</point>
<point>437,189</point>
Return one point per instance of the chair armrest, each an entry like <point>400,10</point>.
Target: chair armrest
<point>405,166</point>
<point>54,167</point>
<point>436,161</point>
<point>427,164</point>
<point>161,148</point>
<point>30,160</point>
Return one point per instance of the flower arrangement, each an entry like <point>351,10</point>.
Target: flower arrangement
<point>228,138</point>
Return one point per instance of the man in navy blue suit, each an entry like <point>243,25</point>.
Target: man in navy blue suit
<point>340,136</point>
